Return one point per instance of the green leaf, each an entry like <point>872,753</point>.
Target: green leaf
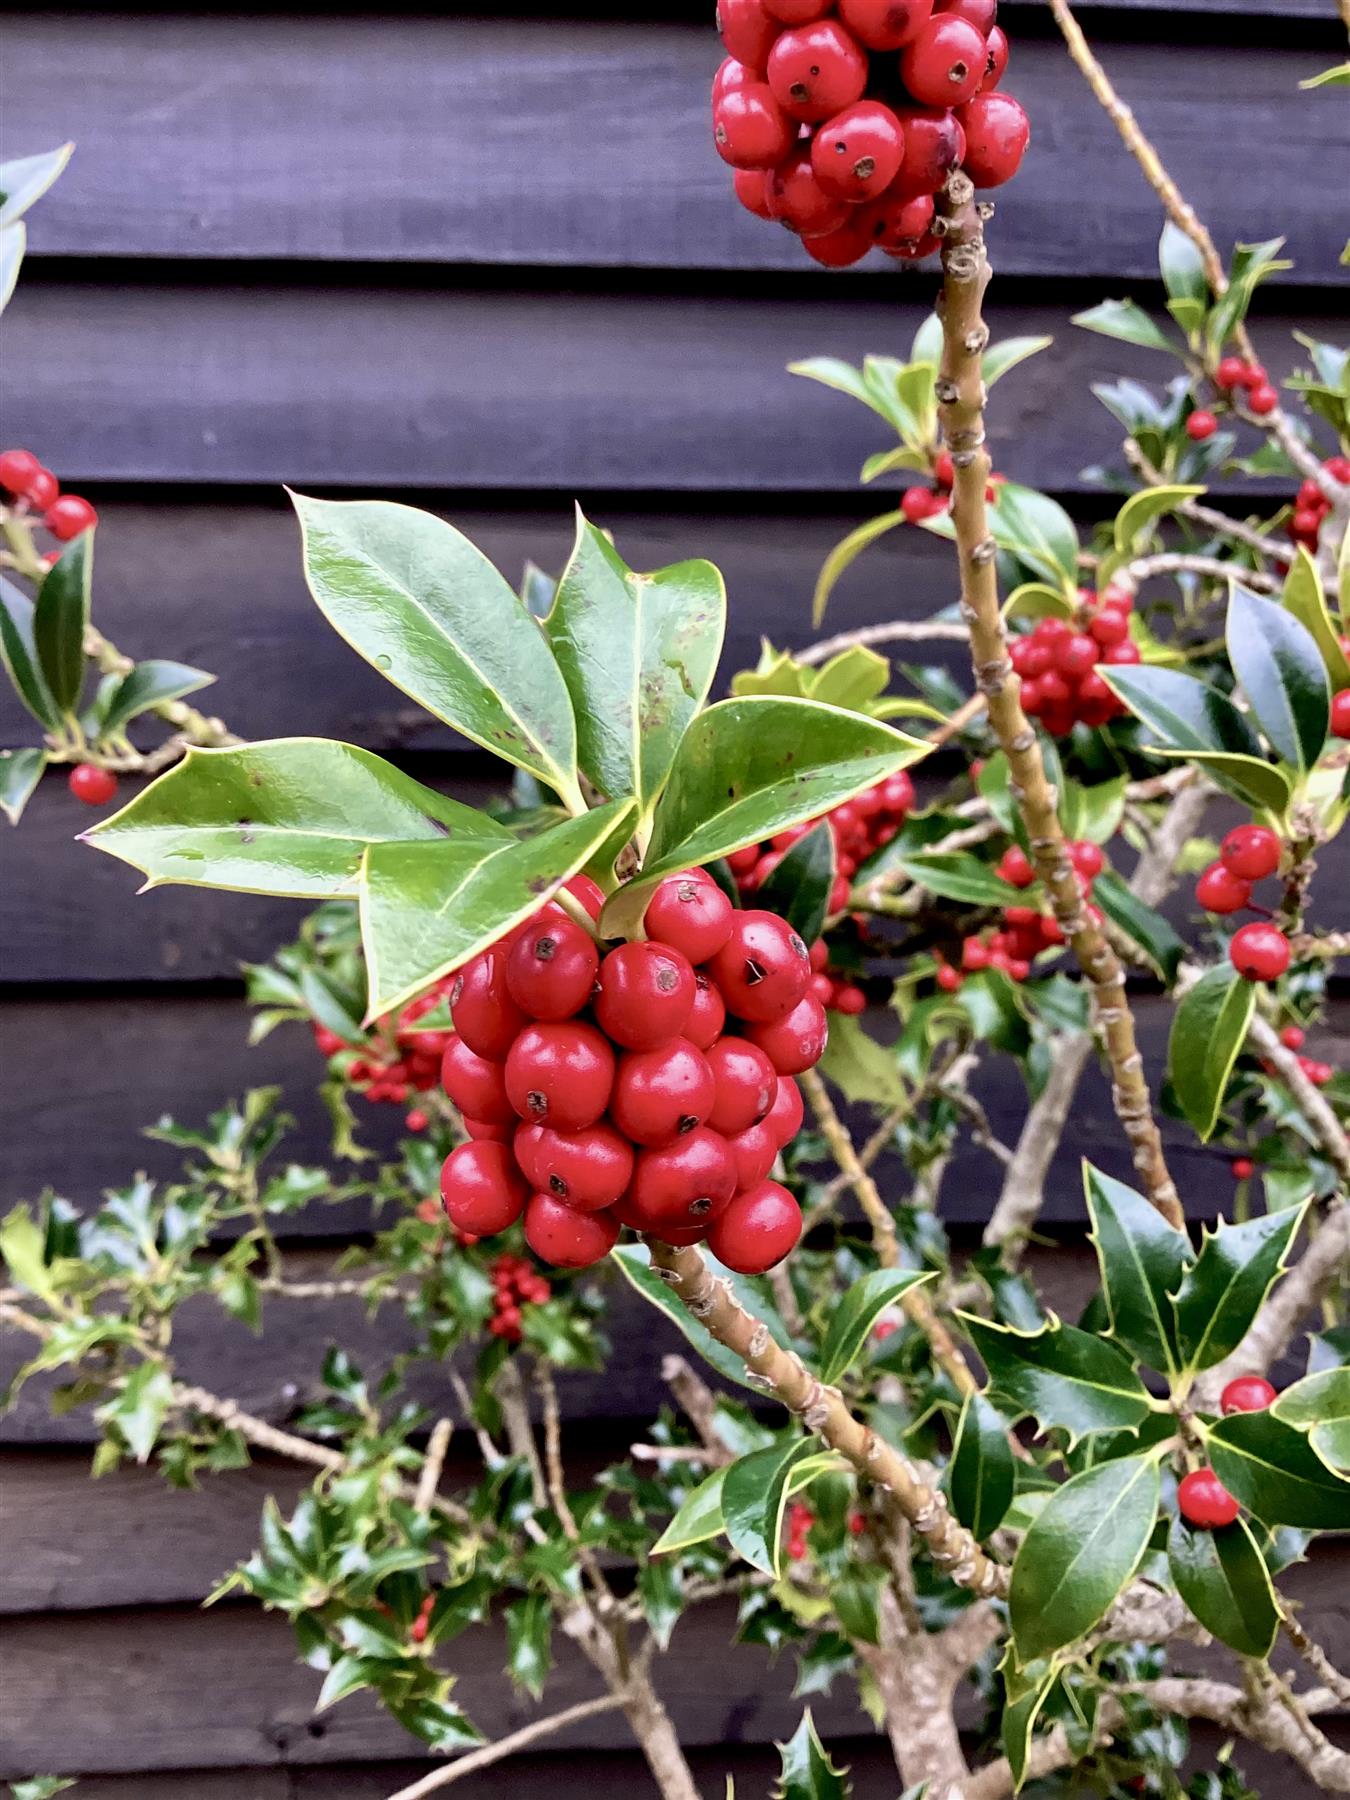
<point>699,1515</point>
<point>1142,1260</point>
<point>844,378</point>
<point>426,908</point>
<point>61,618</point>
<point>150,684</point>
<point>529,1633</point>
<point>1188,717</point>
<point>864,1071</point>
<point>662,1595</point>
<point>890,462</point>
<point>853,679</point>
<point>1223,1291</point>
<point>1127,321</point>
<point>1036,600</point>
<point>1081,1549</point>
<point>635,1261</point>
<point>24,179</point>
<point>1209,1028</point>
<point>292,817</point>
<point>1144,509</point>
<point>1304,598</point>
<point>750,767</point>
<point>954,875</point>
<point>1282,672</point>
<point>754,1500</point>
<point>845,553</point>
<point>1320,1405</point>
<point>1063,1376</point>
<point>427,608</point>
<point>140,1408</point>
<point>1093,812</point>
<point>1181,266</point>
<point>1336,76</point>
<point>19,652</point>
<point>981,1477</point>
<point>20,772</point>
<point>798,889</point>
<point>853,1316</point>
<point>807,1772</point>
<point>1140,922</point>
<point>1223,1578</point>
<point>1024,1700</point>
<point>1001,357</point>
<point>1271,1468</point>
<point>1038,531</point>
<point>23,1250</point>
<point>637,653</point>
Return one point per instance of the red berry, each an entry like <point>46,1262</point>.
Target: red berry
<point>997,134</point>
<point>1015,867</point>
<point>745,1085</point>
<point>784,1117</point>
<point>1109,626</point>
<point>91,784</point>
<point>754,1153</point>
<point>566,1238</point>
<point>762,969</point>
<point>885,24</point>
<point>1246,1393</point>
<point>1338,467</point>
<point>798,198</point>
<point>1340,714</point>
<point>487,1131</point>
<point>741,862</point>
<point>1201,424</point>
<point>749,186</point>
<point>934,145</point>
<point>525,1147</point>
<point>485,1015</point>
<point>849,999</point>
<point>1242,1168</point>
<point>750,129</point>
<point>683,1184</point>
<point>1220,891</point>
<point>645,995</point>
<point>691,914</point>
<point>1119,655</point>
<point>1076,655</point>
<point>560,1075</point>
<point>944,64</point>
<point>587,1169</point>
<point>996,59</point>
<point>815,71</point>
<point>1087,859</point>
<point>757,1230</point>
<point>1251,851</point>
<point>1231,373</point>
<point>1293,1037</point>
<point>797,12</point>
<point>918,503</point>
<point>477,1086</point>
<point>839,249</point>
<point>1205,1501</point>
<point>709,1015</point>
<point>895,222</point>
<point>1259,952</point>
<point>732,75</point>
<point>482,1188</point>
<point>944,469</point>
<point>856,155</point>
<point>551,968</point>
<point>67,517</point>
<point>327,1042</point>
<point>948,978</point>
<point>979,13</point>
<point>662,1094</point>
<point>794,1044</point>
<point>17,469</point>
<point>417,1120</point>
<point>1263,399</point>
<point>747,30</point>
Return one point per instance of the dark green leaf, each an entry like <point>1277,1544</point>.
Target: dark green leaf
<point>61,618</point>
<point>1209,1028</point>
<point>662,1595</point>
<point>140,1407</point>
<point>150,684</point>
<point>19,652</point>
<point>754,1499</point>
<point>807,1772</point>
<point>441,1727</point>
<point>1187,716</point>
<point>1126,320</point>
<point>1149,929</point>
<point>1142,1260</point>
<point>856,1597</point>
<point>20,772</point>
<point>861,1068</point>
<point>798,889</point>
<point>1223,1292</point>
<point>1038,531</point>
<point>955,876</point>
<point>529,1635</point>
<point>1183,269</point>
<point>1282,672</point>
<point>1026,1693</point>
<point>635,1261</point>
<point>1062,1376</point>
<point>980,1478</point>
<point>853,1316</point>
<point>1273,1470</point>
<point>1223,1578</point>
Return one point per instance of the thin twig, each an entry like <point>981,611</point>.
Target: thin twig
<point>1182,562</point>
<point>557,1486</point>
<point>1219,523</point>
<point>897,631</point>
<point>429,1479</point>
<point>510,1745</point>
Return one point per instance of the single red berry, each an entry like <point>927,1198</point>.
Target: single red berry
<point>1263,399</point>
<point>918,503</point>
<point>732,75</point>
<point>839,249</point>
<point>857,154</point>
<point>1340,714</point>
<point>848,998</point>
<point>784,1117</point>
<point>560,1074</point>
<point>979,13</point>
<point>1338,467</point>
<point>686,1183</point>
<point>745,1085</point>
<point>476,1085</point>
<point>327,1042</point>
<point>815,71</point>
<point>798,198</point>
<point>1076,656</point>
<point>1122,654</point>
<point>525,1148</point>
<point>1251,851</point>
<point>757,1230</point>
<point>1109,626</point>
<point>1205,1501</point>
<point>587,1169</point>
<point>944,64</point>
<point>67,517</point>
<point>1201,424</point>
<point>1015,868</point>
<point>582,888</point>
<point>567,1238</point>
<point>741,862</point>
<point>709,1015</point>
<point>895,222</point>
<point>750,129</point>
<point>996,59</point>
<point>483,1190</point>
<point>794,1044</point>
<point>1242,1168</point>
<point>747,30</point>
<point>645,995</point>
<point>885,24</point>
<point>91,784</point>
<point>754,1153</point>
<point>41,488</point>
<point>662,1094</point>
<point>750,188</point>
<point>17,469</point>
<point>944,469</point>
<point>691,914</point>
<point>1246,1393</point>
<point>1259,952</point>
<point>551,968</point>
<point>762,969</point>
<point>1219,890</point>
<point>997,134</point>
<point>1231,373</point>
<point>934,145</point>
<point>1293,1037</point>
<point>948,978</point>
<point>417,1120</point>
<point>485,1015</point>
<point>488,1131</point>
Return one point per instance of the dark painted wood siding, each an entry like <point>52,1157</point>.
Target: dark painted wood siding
<point>487,261</point>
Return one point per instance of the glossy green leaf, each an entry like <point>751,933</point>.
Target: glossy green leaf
<point>1181,266</point>
<point>798,889</point>
<point>844,378</point>
<point>1144,509</point>
<point>24,179</point>
<point>661,1592</point>
<point>529,1634</point>
<point>854,1315</point>
<point>635,1262</point>
<point>1062,1376</point>
<point>754,1500</point>
<point>1282,673</point>
<point>807,1772</point>
<point>1127,321</point>
<point>1142,1260</point>
<point>1209,1028</point>
<point>1139,921</point>
<point>19,652</point>
<point>892,462</point>
<point>1037,600</point>
<point>1223,1578</point>
<point>139,1408</point>
<point>149,684</point>
<point>1092,812</point>
<point>1038,531</point>
<point>60,619</point>
<point>864,1071</point>
<point>1079,1552</point>
<point>1320,1405</point>
<point>954,875</point>
<point>981,1477</point>
<point>20,772</point>
<point>637,653</point>
<point>1008,353</point>
<point>1223,1291</point>
<point>1275,1473</point>
<point>292,816</point>
<point>1304,598</point>
<point>427,608</point>
<point>845,553</point>
<point>854,678</point>
<point>1185,716</point>
<point>698,1517</point>
<point>750,767</point>
<point>426,908</point>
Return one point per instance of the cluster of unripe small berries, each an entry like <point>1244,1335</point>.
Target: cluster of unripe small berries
<point>1026,931</point>
<point>1057,662</point>
<point>516,1283</point>
<point>859,827</point>
<point>649,1087</point>
<point>844,118</point>
<point>1311,506</point>
<point>1203,1499</point>
<point>398,1059</point>
<point>1248,854</point>
<point>33,487</point>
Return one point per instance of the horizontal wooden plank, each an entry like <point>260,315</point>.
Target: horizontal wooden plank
<point>551,142</point>
<point>230,382</point>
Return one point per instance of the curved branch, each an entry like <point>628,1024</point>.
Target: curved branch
<point>510,1746</point>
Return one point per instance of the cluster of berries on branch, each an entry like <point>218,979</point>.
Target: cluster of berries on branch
<point>651,1086</point>
<point>860,827</point>
<point>1057,662</point>
<point>1025,930</point>
<point>1293,1037</point>
<point>34,489</point>
<point>1311,506</point>
<point>399,1058</point>
<point>1249,853</point>
<point>844,118</point>
<point>1202,1498</point>
<point>516,1284</point>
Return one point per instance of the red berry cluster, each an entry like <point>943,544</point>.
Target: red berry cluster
<point>836,993</point>
<point>1311,506</point>
<point>1247,855</point>
<point>859,827</point>
<point>604,1092</point>
<point>398,1060</point>
<point>1235,373</point>
<point>1203,1499</point>
<point>64,515</point>
<point>800,1519</point>
<point>918,502</point>
<point>1026,931</point>
<point>844,118</point>
<point>516,1283</point>
<point>1293,1038</point>
<point>1057,661</point>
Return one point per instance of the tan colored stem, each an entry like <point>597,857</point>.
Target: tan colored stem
<point>509,1746</point>
<point>961,396</point>
<point>896,631</point>
<point>1182,562</point>
<point>429,1478</point>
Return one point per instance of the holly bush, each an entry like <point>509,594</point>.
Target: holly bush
<point>693,1017</point>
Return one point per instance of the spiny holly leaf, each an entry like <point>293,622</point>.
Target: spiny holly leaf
<point>1064,1377</point>
<point>1209,1028</point>
<point>807,1772</point>
<point>1273,1470</point>
<point>1223,1291</point>
<point>427,608</point>
<point>638,654</point>
<point>18,650</point>
<point>855,1314</point>
<point>1080,1551</point>
<point>754,1499</point>
<point>1223,1578</point>
<point>1142,1260</point>
<point>20,772</point>
<point>427,908</point>
<point>662,1595</point>
<point>529,1636</point>
<point>980,1477</point>
<point>798,888</point>
<point>861,1068</point>
<point>140,1407</point>
<point>291,817</point>
<point>61,618</point>
<point>1320,1405</point>
<point>1282,672</point>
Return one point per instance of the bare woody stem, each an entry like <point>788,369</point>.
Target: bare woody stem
<point>509,1746</point>
<point>822,1410</point>
<point>961,395</point>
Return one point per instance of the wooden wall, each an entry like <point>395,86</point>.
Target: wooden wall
<point>486,261</point>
